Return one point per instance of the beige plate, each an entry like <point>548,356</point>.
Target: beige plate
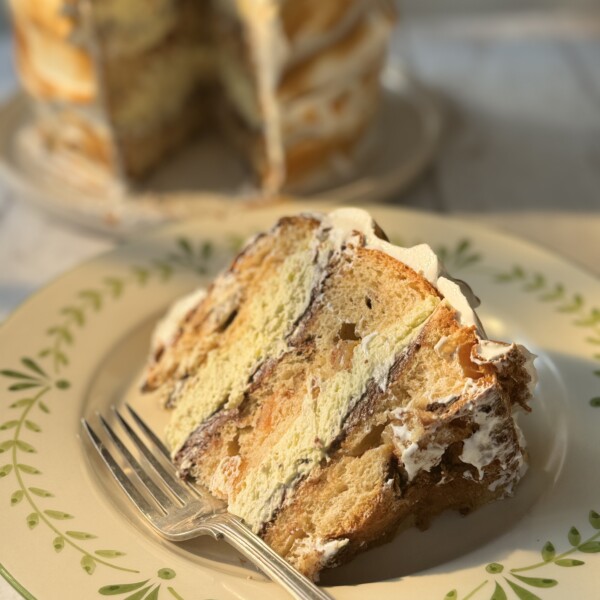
<point>78,346</point>
<point>207,178</point>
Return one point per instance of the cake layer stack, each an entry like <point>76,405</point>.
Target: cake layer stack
<point>124,83</point>
<point>332,387</point>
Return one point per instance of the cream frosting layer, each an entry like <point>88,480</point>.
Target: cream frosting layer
<point>326,113</point>
<point>335,73</point>
<point>282,117</point>
<point>268,52</point>
<point>319,31</point>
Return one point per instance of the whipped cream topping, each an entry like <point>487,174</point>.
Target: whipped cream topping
<point>489,351</point>
<point>419,452</point>
<point>482,448</point>
<point>327,549</point>
<point>487,445</point>
<point>346,222</point>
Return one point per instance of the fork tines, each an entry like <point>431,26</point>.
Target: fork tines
<point>159,482</point>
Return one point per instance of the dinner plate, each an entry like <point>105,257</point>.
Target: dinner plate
<point>207,178</point>
<point>79,345</point>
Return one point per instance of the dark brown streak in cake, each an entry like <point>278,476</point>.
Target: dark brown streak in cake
<point>380,233</point>
<point>201,438</point>
<point>250,244</point>
<point>440,407</point>
<point>260,374</point>
<point>367,405</point>
<point>297,334</point>
<point>288,494</point>
<point>398,475</point>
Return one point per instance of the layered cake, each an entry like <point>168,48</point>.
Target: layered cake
<point>332,388</point>
<point>121,84</point>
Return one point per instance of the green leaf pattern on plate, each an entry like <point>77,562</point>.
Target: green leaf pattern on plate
<point>143,590</point>
<point>42,374</point>
<point>499,593</point>
<point>460,256</point>
<point>549,557</point>
<point>571,304</point>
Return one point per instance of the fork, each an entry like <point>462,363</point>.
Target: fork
<point>179,511</point>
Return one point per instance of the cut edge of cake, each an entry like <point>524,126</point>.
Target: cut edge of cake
<point>301,91</point>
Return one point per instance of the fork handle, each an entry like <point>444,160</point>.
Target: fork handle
<point>238,535</point>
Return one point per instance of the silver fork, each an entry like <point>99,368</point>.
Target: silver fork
<point>179,511</point>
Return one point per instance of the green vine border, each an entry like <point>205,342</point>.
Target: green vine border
<point>36,381</point>
<point>571,304</point>
<point>590,545</point>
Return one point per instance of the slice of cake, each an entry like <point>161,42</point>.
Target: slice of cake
<point>119,85</point>
<point>332,387</point>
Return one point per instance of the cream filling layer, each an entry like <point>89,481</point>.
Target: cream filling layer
<point>344,66</point>
<point>321,420</point>
<point>222,379</point>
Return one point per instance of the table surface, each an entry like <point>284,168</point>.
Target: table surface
<point>521,153</point>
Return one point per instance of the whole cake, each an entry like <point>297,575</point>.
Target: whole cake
<point>332,387</point>
<point>123,83</point>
